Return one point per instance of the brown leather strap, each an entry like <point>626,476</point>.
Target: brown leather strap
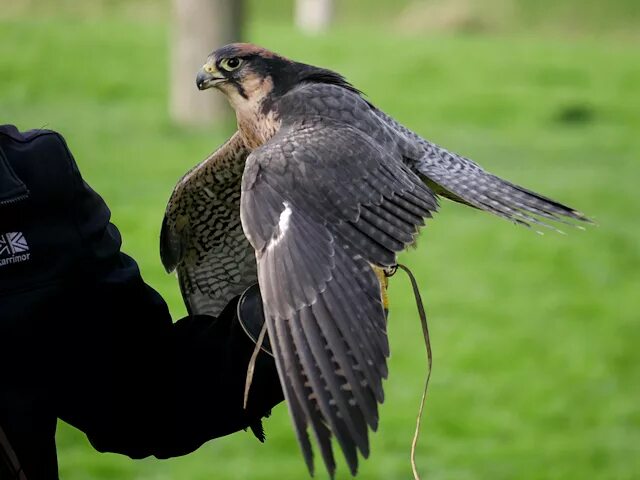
<point>252,363</point>
<point>427,342</point>
<point>9,456</point>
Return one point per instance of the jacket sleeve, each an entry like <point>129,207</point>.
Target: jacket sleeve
<point>201,394</point>
<point>154,387</point>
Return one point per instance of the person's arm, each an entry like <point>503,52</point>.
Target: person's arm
<point>102,340</point>
<point>175,386</point>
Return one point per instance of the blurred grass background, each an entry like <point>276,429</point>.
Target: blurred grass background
<point>536,338</point>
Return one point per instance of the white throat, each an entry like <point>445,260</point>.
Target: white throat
<point>254,125</point>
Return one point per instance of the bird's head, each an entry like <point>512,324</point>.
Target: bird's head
<point>248,74</point>
<point>244,72</point>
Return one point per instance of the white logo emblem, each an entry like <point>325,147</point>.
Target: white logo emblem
<point>13,248</point>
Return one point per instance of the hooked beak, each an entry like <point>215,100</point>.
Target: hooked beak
<point>208,77</point>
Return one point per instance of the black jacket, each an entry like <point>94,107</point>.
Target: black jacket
<point>84,339</point>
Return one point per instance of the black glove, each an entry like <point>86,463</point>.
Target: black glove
<point>200,394</point>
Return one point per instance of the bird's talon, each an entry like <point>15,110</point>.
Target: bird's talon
<point>390,271</point>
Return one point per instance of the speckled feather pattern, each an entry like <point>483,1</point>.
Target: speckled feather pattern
<point>203,234</point>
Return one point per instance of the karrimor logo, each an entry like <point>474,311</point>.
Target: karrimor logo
<point>13,248</point>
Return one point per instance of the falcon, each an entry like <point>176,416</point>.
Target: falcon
<point>315,192</point>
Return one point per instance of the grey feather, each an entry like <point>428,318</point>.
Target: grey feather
<point>464,181</point>
<point>317,226</point>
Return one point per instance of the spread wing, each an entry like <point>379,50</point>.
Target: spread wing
<point>464,181</point>
<point>202,235</point>
<point>321,203</point>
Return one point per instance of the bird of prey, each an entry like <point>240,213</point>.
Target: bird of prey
<point>315,191</point>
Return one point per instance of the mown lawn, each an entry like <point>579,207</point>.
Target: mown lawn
<point>537,365</point>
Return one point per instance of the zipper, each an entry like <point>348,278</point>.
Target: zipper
<point>16,199</point>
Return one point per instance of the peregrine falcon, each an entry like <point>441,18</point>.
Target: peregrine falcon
<point>315,191</point>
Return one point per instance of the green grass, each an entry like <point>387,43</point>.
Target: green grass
<point>537,367</point>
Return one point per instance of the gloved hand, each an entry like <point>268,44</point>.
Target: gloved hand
<point>251,316</point>
<point>201,395</point>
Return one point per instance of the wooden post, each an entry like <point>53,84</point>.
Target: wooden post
<point>199,27</point>
<point>314,16</point>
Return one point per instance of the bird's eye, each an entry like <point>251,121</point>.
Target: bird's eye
<point>230,64</point>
